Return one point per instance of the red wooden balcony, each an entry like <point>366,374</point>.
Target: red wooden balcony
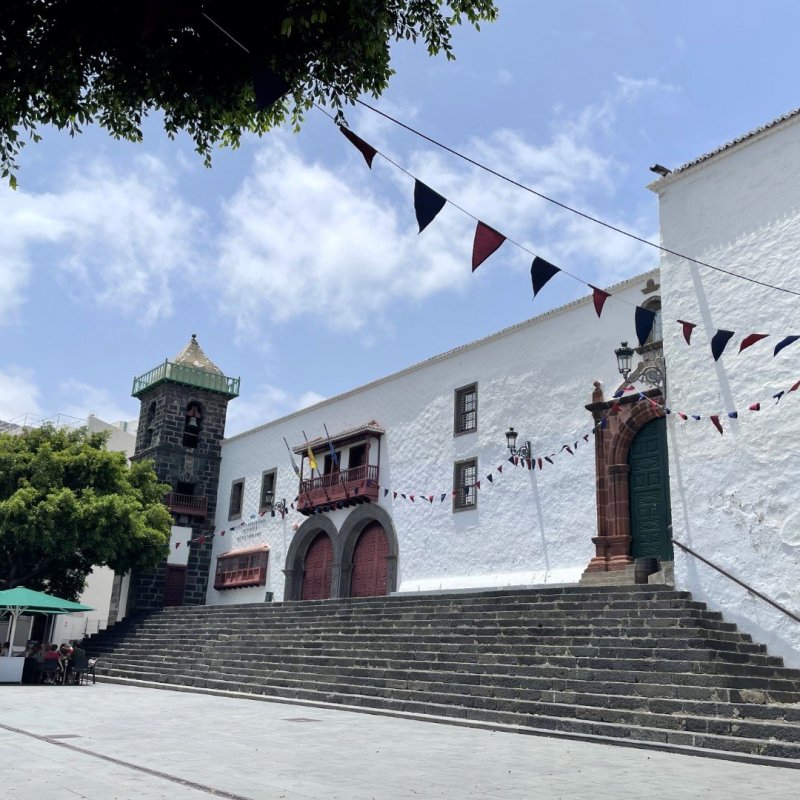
<point>187,504</point>
<point>348,487</point>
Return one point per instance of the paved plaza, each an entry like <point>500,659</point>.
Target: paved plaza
<point>109,742</point>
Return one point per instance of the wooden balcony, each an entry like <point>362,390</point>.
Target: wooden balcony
<point>187,504</point>
<point>339,489</point>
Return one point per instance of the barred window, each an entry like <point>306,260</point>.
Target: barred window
<point>466,419</point>
<point>237,497</point>
<point>465,474</point>
<point>245,568</point>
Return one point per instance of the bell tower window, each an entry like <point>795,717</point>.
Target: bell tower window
<point>148,425</point>
<point>192,425</point>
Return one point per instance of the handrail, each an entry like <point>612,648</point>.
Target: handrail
<point>750,589</point>
<point>345,476</point>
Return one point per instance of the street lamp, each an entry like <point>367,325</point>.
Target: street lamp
<point>511,439</point>
<point>653,371</point>
<point>272,506</point>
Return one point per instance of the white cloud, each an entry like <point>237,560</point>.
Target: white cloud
<point>19,395</point>
<point>119,235</point>
<point>78,399</point>
<point>265,404</point>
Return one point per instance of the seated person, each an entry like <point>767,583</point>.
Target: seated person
<point>53,654</point>
<point>78,662</point>
<point>33,664</point>
<point>5,650</point>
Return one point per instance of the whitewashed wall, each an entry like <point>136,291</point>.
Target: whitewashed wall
<point>528,527</point>
<point>736,497</point>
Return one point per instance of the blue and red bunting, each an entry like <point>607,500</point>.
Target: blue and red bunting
<point>486,241</point>
<point>751,339</point>
<point>717,424</point>
<point>784,343</point>
<point>490,478</point>
<point>366,149</point>
<point>688,327</point>
<point>719,342</point>
<point>268,85</point>
<point>427,204</point>
<point>599,297</point>
<point>645,319</point>
<point>541,272</point>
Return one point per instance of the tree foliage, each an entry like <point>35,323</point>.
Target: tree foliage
<point>70,63</point>
<point>68,504</point>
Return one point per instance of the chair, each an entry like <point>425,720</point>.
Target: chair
<point>78,668</point>
<point>90,671</point>
<point>50,672</point>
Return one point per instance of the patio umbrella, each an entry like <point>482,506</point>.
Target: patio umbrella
<point>21,601</point>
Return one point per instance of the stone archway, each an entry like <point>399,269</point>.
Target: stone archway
<point>352,528</point>
<point>625,417</point>
<point>295,557</point>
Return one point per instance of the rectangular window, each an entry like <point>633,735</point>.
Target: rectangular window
<point>358,456</point>
<point>466,419</point>
<point>465,474</point>
<point>237,496</point>
<point>330,464</point>
<point>268,478</point>
<point>245,568</point>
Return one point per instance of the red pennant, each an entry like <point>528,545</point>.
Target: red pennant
<point>751,339</point>
<point>177,545</point>
<point>599,297</point>
<point>682,415</point>
<point>487,240</point>
<point>528,463</point>
<point>540,464</point>
<point>755,407</point>
<point>794,386</point>
<point>222,533</point>
<point>394,495</point>
<point>616,407</point>
<point>500,469</point>
<point>715,419</point>
<point>688,327</point>
<point>477,484</point>
<point>411,498</point>
<point>430,499</point>
<point>366,150</point>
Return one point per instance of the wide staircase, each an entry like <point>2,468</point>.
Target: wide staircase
<point>641,665</point>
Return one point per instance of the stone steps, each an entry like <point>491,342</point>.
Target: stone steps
<point>644,664</point>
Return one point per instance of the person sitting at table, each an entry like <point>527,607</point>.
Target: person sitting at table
<point>54,654</point>
<point>77,662</point>
<point>5,649</point>
<point>32,669</point>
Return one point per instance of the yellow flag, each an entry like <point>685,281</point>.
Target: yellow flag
<point>312,462</point>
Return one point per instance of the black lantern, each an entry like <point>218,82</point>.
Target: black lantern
<point>511,441</point>
<point>511,438</point>
<point>624,358</point>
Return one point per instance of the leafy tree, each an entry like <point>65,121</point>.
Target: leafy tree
<point>68,504</point>
<point>69,63</point>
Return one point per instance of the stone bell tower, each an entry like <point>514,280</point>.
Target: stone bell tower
<point>184,402</point>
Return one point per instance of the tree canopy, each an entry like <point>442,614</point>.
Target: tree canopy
<point>70,63</point>
<point>68,504</point>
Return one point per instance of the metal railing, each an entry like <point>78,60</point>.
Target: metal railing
<point>189,376</point>
<point>366,472</point>
<point>741,583</point>
<point>189,504</point>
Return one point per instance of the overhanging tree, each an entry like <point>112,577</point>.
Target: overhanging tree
<point>67,504</point>
<point>70,63</point>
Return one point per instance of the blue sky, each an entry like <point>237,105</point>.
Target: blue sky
<point>301,270</point>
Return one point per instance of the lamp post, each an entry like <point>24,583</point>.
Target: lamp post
<point>511,439</point>
<point>653,371</point>
<point>272,506</point>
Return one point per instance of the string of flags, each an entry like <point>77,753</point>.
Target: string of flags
<point>720,340</point>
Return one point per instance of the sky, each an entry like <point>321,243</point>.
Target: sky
<point>301,270</point>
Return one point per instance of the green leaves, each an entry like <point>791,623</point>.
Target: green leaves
<point>71,64</point>
<point>67,504</point>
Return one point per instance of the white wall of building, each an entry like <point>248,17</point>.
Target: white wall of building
<point>735,497</point>
<point>529,527</point>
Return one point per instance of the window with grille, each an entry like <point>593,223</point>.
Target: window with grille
<point>268,478</point>
<point>237,496</point>
<point>466,409</point>
<point>245,568</point>
<point>465,474</point>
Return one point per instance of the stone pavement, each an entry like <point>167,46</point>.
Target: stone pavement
<point>110,742</point>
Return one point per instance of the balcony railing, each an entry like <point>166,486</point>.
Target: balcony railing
<point>187,504</point>
<point>188,376</point>
<point>348,487</point>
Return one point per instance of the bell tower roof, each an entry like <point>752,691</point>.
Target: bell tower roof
<point>193,356</point>
<point>191,367</point>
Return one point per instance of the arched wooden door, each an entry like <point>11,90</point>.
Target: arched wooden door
<point>651,519</point>
<point>369,562</point>
<point>318,569</point>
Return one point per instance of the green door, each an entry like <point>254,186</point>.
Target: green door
<point>648,492</point>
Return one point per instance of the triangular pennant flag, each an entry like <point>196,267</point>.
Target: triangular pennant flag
<point>688,327</point>
<point>618,394</point>
<point>385,492</point>
<point>427,204</point>
<point>539,461</point>
<point>394,495</point>
<point>366,150</point>
<point>511,460</point>
<point>585,437</point>
<point>500,469</point>
<point>402,495</point>
<point>682,415</point>
<point>718,343</point>
<point>527,463</point>
<point>784,343</point>
<point>645,319</point>
<point>177,545</point>
<point>268,85</point>
<point>599,298</point>
<point>733,414</point>
<point>615,408</point>
<point>568,449</point>
<point>430,499</point>
<point>751,339</point>
<point>486,241</point>
<point>717,424</point>
<point>222,533</point>
<point>541,272</point>
<point>441,499</point>
<point>547,458</point>
<point>411,498</point>
<point>490,478</point>
<point>454,493</point>
<point>603,422</point>
<point>667,410</point>
<point>777,397</point>
<point>794,386</point>
<point>642,396</point>
<point>755,407</point>
<point>516,461</point>
<point>696,417</point>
